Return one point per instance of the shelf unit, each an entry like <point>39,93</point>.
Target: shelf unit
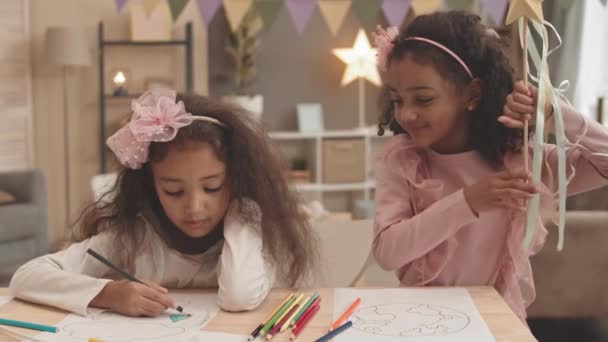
<point>318,186</point>
<point>103,44</point>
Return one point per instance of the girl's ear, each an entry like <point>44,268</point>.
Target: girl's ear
<point>474,94</point>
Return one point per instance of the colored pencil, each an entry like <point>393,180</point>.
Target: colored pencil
<point>28,325</point>
<point>254,334</point>
<point>20,335</point>
<point>277,327</point>
<point>346,314</point>
<point>282,318</point>
<point>303,309</point>
<point>289,320</point>
<point>335,332</point>
<point>315,303</point>
<point>276,316</point>
<point>304,322</point>
<point>121,272</point>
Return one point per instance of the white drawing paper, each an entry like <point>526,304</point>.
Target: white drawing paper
<point>407,315</point>
<point>5,299</point>
<point>112,327</point>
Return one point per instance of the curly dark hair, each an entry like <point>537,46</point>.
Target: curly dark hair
<point>255,171</point>
<point>484,53</point>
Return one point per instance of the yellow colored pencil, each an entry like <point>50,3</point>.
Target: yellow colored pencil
<point>278,307</point>
<point>270,322</point>
<point>299,298</point>
<point>287,323</point>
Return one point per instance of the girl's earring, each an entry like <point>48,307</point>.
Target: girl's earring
<point>470,108</point>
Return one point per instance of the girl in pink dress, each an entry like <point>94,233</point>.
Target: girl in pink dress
<point>451,193</point>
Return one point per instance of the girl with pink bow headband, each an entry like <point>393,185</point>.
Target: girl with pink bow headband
<point>450,202</point>
<point>202,201</point>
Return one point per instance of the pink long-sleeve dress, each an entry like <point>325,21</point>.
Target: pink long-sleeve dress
<point>427,233</point>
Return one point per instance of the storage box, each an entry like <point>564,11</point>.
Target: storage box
<point>343,160</point>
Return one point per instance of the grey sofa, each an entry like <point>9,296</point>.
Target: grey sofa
<point>23,224</point>
<point>573,283</point>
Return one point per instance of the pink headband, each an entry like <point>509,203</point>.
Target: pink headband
<point>156,117</point>
<point>384,42</point>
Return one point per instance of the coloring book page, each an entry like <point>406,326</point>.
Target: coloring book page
<point>407,315</point>
<point>171,326</point>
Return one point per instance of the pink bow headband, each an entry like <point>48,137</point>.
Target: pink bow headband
<point>384,41</point>
<point>156,117</point>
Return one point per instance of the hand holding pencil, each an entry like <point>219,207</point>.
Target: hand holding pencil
<point>132,297</point>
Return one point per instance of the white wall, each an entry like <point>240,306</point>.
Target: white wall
<point>592,65</point>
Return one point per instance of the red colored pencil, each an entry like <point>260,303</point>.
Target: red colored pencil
<point>317,302</point>
<point>277,327</point>
<point>304,321</point>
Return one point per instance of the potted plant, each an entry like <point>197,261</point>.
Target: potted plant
<point>243,45</point>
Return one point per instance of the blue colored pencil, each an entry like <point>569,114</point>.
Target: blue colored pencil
<point>335,332</point>
<point>28,325</point>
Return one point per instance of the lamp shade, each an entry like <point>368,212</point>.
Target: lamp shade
<point>67,46</point>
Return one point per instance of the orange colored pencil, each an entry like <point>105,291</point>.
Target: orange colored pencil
<point>346,313</point>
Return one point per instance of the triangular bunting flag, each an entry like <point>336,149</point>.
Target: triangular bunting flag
<point>235,11</point>
<point>120,4</point>
<point>395,11</point>
<point>459,4</point>
<point>334,12</point>
<point>150,6</point>
<point>367,12</point>
<point>495,8</point>
<point>268,10</point>
<point>300,11</point>
<point>177,6</point>
<point>207,9</point>
<point>421,7</point>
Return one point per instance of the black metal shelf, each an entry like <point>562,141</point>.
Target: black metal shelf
<point>122,97</point>
<point>187,43</point>
<point>144,43</point>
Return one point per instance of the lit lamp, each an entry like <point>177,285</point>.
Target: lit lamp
<point>119,79</point>
<point>67,47</point>
<point>361,65</point>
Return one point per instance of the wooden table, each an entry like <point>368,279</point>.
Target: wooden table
<point>503,323</point>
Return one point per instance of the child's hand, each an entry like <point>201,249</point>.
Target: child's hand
<point>134,299</point>
<point>506,189</point>
<point>520,106</point>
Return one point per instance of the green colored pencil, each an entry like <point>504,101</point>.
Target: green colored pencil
<point>304,308</point>
<point>276,316</point>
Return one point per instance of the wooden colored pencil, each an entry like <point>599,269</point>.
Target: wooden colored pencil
<point>335,332</point>
<point>346,314</point>
<point>315,303</point>
<point>304,321</point>
<point>121,272</point>
<point>254,334</point>
<point>277,327</point>
<point>303,309</point>
<point>276,316</point>
<point>281,320</point>
<point>289,320</point>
